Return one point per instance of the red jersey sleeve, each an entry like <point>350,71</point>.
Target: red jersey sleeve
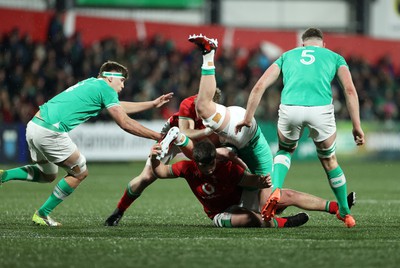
<point>187,108</point>
<point>181,168</point>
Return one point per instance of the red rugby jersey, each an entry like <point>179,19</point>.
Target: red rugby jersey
<point>187,110</point>
<point>216,192</point>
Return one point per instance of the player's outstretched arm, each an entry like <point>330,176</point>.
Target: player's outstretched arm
<point>266,80</point>
<point>131,126</point>
<point>136,107</point>
<point>352,103</point>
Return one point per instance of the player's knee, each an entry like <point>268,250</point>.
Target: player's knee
<point>327,153</point>
<point>78,169</point>
<point>288,194</point>
<point>83,175</point>
<point>327,157</point>
<point>289,198</point>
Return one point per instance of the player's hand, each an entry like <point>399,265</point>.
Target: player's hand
<point>358,135</point>
<point>265,181</point>
<point>155,151</point>
<point>240,125</point>
<point>163,99</point>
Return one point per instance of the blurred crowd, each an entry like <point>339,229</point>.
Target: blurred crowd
<point>32,72</point>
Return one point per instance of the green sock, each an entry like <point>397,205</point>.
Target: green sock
<point>282,162</point>
<point>337,181</point>
<point>60,192</point>
<point>207,71</point>
<point>25,173</point>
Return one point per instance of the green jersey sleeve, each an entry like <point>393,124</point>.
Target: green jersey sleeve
<point>78,103</point>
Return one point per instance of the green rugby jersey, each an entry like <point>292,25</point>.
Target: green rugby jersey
<point>78,103</point>
<point>307,75</point>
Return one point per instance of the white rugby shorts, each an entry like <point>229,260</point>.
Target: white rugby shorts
<point>320,120</point>
<point>45,144</point>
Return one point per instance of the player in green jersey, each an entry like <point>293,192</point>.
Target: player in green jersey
<point>50,145</point>
<point>306,101</point>
<point>251,145</point>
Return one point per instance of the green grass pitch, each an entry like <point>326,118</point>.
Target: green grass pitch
<point>166,226</point>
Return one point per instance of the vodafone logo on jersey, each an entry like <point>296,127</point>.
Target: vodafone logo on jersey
<point>206,190</point>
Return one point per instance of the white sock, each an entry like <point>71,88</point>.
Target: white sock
<point>208,61</point>
<point>180,139</point>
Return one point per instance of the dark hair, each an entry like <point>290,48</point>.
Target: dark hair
<point>312,33</point>
<point>204,152</point>
<point>109,66</point>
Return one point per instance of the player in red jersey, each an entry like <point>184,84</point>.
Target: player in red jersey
<point>189,124</point>
<point>218,187</point>
<point>249,199</point>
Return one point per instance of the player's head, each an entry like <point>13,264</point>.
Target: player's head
<point>114,73</point>
<point>313,35</point>
<point>204,154</point>
<point>114,68</point>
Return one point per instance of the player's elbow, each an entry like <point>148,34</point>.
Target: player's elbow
<point>350,92</point>
<point>123,125</point>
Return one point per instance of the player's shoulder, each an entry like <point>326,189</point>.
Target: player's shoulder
<point>186,169</point>
<point>189,100</point>
<point>293,50</point>
<point>95,83</point>
<point>230,169</point>
<point>92,80</point>
<point>328,51</point>
<point>187,107</point>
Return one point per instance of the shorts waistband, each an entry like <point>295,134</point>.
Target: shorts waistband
<point>42,123</point>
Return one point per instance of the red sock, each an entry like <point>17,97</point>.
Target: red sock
<point>333,207</point>
<point>126,200</point>
<point>281,222</point>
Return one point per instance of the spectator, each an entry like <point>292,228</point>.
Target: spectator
<point>49,67</point>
